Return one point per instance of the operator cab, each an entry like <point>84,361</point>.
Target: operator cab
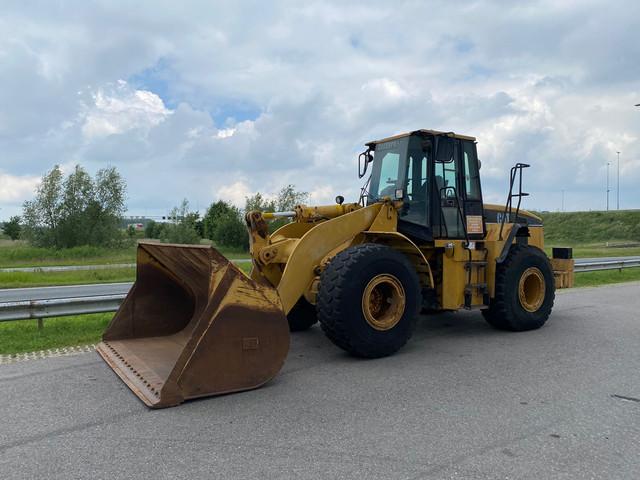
<point>436,175</point>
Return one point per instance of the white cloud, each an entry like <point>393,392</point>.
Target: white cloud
<point>226,132</point>
<point>385,87</point>
<point>322,195</point>
<point>213,104</point>
<point>235,193</point>
<point>13,188</point>
<point>121,109</point>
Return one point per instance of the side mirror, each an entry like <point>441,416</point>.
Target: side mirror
<point>364,159</point>
<point>444,153</point>
<point>479,164</point>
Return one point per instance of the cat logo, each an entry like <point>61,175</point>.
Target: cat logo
<point>503,217</point>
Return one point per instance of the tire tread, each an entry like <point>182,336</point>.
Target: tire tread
<point>499,314</point>
<point>335,277</point>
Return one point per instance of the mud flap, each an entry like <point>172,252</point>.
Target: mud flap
<point>194,325</point>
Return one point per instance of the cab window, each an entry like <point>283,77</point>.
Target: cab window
<point>415,201</point>
<point>471,174</point>
<point>388,174</point>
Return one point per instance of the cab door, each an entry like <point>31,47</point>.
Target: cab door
<point>447,197</point>
<point>471,190</point>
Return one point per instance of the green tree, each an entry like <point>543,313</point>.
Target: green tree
<point>12,228</point>
<point>199,226</point>
<point>131,231</point>
<point>288,198</point>
<point>231,232</point>
<point>76,211</point>
<point>182,228</point>
<point>286,201</point>
<point>213,215</point>
<point>43,214</point>
<point>107,207</point>
<point>224,224</point>
<point>77,195</point>
<point>151,229</point>
<point>258,203</point>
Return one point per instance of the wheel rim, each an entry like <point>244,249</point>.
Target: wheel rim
<point>383,302</point>
<point>531,289</point>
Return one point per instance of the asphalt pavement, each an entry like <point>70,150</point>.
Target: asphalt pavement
<point>66,291</point>
<point>462,400</point>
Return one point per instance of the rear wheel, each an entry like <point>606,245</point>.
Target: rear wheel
<point>368,300</point>
<point>302,316</point>
<point>524,290</point>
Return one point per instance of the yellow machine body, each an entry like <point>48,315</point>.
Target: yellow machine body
<point>195,325</point>
<point>292,260</point>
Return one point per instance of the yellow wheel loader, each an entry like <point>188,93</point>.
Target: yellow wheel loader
<point>419,239</point>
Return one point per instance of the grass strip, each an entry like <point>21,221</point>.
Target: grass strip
<point>19,254</point>
<point>80,277</point>
<point>606,277</point>
<point>594,251</point>
<point>23,335</point>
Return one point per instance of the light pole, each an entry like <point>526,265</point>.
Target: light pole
<point>562,210</point>
<point>618,187</point>
<point>608,163</point>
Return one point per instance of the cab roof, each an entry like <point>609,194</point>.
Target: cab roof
<point>425,131</point>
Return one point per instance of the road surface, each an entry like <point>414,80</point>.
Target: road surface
<point>462,400</point>
<point>48,293</point>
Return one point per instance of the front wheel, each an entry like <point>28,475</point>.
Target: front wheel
<point>368,300</point>
<point>302,316</point>
<point>524,290</point>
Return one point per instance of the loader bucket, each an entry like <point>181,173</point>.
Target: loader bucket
<point>194,325</point>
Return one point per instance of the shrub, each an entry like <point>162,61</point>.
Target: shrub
<point>231,232</point>
<point>183,228</point>
<point>223,223</point>
<point>213,215</point>
<point>12,228</point>
<point>151,230</point>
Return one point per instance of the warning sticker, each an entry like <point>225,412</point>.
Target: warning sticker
<point>474,224</point>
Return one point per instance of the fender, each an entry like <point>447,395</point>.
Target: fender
<point>403,244</point>
<point>324,237</point>
<point>521,233</point>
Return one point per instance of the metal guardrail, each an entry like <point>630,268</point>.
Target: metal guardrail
<point>606,265</point>
<point>58,307</point>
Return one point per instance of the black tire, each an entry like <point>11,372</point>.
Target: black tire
<point>302,316</point>
<point>342,285</point>
<point>507,311</point>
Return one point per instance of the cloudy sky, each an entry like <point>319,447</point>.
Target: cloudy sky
<point>210,100</point>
